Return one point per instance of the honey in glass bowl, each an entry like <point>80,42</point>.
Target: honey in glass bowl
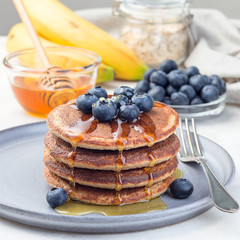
<point>39,90</point>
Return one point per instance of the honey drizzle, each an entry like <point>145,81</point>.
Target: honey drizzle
<point>148,193</point>
<point>84,125</point>
<point>152,158</point>
<point>150,176</point>
<point>70,161</point>
<point>118,182</point>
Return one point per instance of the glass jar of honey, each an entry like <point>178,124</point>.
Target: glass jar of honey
<point>39,90</point>
<point>156,29</point>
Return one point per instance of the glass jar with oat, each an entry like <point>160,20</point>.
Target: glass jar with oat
<point>156,29</point>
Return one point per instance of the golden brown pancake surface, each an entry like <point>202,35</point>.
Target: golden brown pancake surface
<point>110,179</point>
<point>109,160</point>
<point>106,196</point>
<point>82,130</point>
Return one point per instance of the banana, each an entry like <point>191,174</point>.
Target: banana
<point>57,23</point>
<point>18,39</point>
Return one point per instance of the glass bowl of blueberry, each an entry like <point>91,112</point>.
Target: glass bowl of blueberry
<point>187,91</point>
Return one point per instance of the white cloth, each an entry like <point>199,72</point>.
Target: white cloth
<point>218,43</point>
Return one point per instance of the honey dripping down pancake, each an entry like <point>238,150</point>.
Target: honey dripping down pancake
<point>101,196</point>
<point>82,130</point>
<point>110,179</point>
<point>108,160</point>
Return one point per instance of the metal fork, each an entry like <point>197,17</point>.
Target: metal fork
<point>221,198</point>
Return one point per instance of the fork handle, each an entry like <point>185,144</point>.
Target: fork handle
<point>221,198</point>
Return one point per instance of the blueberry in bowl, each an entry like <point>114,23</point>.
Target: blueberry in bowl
<point>124,90</point>
<point>189,92</point>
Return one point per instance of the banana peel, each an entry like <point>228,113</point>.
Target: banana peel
<point>57,23</point>
<point>18,39</point>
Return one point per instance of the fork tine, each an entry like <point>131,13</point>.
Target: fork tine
<point>196,138</point>
<point>182,138</point>
<point>189,137</point>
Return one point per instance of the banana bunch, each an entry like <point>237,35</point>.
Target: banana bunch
<point>59,24</point>
<point>18,39</point>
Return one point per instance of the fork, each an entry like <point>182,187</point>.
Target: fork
<point>220,196</point>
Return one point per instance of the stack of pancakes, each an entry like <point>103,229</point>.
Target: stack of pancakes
<point>111,163</point>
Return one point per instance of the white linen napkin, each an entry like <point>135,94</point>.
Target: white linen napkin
<point>218,43</point>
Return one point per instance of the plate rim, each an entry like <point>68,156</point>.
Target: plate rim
<point>28,217</point>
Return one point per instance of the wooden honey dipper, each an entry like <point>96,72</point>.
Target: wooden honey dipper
<point>47,82</point>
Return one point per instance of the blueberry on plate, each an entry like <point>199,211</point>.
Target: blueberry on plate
<point>158,93</point>
<point>159,78</point>
<point>167,100</point>
<point>197,82</point>
<point>84,102</point>
<point>142,86</point>
<point>128,112</point>
<point>168,66</point>
<point>143,101</point>
<point>98,91</point>
<point>177,78</point>
<point>196,100</point>
<point>179,98</point>
<point>181,188</point>
<point>119,100</point>
<point>124,90</point>
<point>56,197</point>
<point>188,90</point>
<point>170,89</point>
<point>191,71</point>
<point>148,73</point>
<point>104,110</point>
<point>219,83</point>
<point>209,93</point>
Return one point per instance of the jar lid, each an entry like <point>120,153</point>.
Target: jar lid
<point>142,9</point>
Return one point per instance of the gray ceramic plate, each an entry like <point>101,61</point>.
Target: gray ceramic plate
<point>23,188</point>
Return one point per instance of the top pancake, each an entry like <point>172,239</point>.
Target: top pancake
<point>82,130</point>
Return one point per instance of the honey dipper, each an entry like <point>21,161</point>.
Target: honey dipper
<point>47,82</point>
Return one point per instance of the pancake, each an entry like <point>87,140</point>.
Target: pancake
<point>82,130</point>
<point>110,179</point>
<point>110,160</point>
<point>106,196</point>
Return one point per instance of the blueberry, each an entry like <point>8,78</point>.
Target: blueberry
<point>56,197</point>
<point>196,100</point>
<point>197,82</point>
<point>188,90</point>
<point>209,93</point>
<point>159,78</point>
<point>98,91</point>
<point>207,80</point>
<point>158,93</point>
<point>181,188</point>
<point>219,83</point>
<point>168,65</point>
<point>124,90</point>
<point>148,73</point>
<point>170,89</point>
<point>142,86</point>
<point>152,85</point>
<point>84,102</point>
<point>143,101</point>
<point>167,100</point>
<point>177,78</point>
<point>179,98</point>
<point>104,110</point>
<point>129,112</point>
<point>119,100</point>
<point>191,71</point>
